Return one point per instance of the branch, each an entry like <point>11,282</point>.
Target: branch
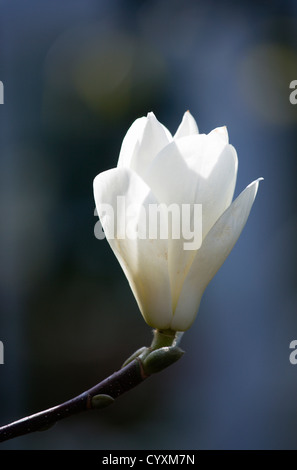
<point>109,389</point>
<point>141,365</point>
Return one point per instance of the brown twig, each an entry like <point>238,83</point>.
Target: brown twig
<point>163,352</point>
<point>98,396</point>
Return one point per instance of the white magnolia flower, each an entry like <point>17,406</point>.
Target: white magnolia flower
<point>155,167</point>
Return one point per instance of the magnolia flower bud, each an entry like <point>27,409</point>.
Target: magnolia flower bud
<point>192,174</point>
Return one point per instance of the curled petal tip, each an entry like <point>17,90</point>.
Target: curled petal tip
<point>188,126</point>
<point>151,115</point>
<point>255,182</point>
<point>222,132</point>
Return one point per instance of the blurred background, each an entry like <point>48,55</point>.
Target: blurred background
<point>76,74</point>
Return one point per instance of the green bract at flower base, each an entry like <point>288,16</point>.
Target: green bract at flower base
<point>155,167</point>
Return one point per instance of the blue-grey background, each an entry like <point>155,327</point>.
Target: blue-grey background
<point>76,74</point>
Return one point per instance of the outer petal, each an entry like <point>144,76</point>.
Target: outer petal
<point>143,141</point>
<point>221,132</point>
<point>212,254</point>
<point>143,261</point>
<point>131,141</point>
<point>197,169</point>
<point>188,126</point>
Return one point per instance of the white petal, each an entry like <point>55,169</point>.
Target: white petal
<point>144,261</point>
<point>130,141</point>
<point>142,143</point>
<point>188,126</point>
<point>222,133</point>
<point>193,170</point>
<point>215,248</point>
